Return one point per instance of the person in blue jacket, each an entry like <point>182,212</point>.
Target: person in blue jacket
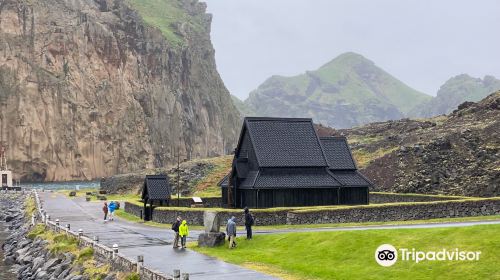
<point>112,208</point>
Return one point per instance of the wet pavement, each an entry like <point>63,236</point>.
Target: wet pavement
<point>136,239</point>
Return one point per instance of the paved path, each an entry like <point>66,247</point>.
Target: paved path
<point>135,239</point>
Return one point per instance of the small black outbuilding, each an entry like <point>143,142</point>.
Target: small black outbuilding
<point>282,162</point>
<point>157,192</point>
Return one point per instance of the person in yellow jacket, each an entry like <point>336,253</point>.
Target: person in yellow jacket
<point>183,233</point>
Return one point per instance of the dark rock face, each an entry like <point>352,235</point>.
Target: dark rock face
<point>88,90</point>
<point>458,154</point>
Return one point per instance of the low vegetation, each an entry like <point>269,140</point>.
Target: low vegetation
<point>207,187</point>
<point>363,157</point>
<point>350,254</point>
<point>60,243</point>
<point>30,207</point>
<point>166,15</point>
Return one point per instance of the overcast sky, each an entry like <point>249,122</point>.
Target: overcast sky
<point>421,42</point>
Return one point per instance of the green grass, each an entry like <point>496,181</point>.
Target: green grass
<point>363,157</point>
<point>207,187</point>
<point>57,243</point>
<point>30,207</point>
<point>84,255</point>
<point>165,15</point>
<point>350,254</point>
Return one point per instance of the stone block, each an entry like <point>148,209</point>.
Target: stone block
<point>211,221</point>
<point>211,239</point>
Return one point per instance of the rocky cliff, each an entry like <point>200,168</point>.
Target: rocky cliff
<point>90,88</point>
<point>457,154</point>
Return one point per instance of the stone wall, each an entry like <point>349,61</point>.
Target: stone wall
<point>348,214</point>
<point>208,202</point>
<point>194,216</point>
<point>398,212</point>
<point>381,197</point>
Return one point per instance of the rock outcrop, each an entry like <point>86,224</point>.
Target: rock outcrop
<point>88,89</point>
<point>458,154</point>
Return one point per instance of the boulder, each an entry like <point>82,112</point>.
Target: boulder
<point>211,239</point>
<point>211,221</point>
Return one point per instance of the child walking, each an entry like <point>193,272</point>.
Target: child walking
<point>183,233</point>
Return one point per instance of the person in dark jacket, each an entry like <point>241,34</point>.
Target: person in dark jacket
<point>231,232</point>
<point>248,223</point>
<point>175,228</point>
<point>105,210</point>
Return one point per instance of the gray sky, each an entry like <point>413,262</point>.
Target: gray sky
<point>421,42</point>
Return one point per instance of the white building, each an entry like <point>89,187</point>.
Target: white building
<point>6,178</point>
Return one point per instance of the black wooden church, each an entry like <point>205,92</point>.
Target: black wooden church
<point>282,162</point>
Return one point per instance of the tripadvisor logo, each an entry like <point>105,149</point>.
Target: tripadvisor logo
<point>387,255</point>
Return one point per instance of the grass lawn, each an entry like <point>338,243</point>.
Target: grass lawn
<point>350,254</point>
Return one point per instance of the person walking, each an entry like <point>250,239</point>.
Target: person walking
<point>183,233</point>
<point>248,223</point>
<point>112,208</point>
<point>175,228</point>
<point>105,210</point>
<point>231,232</point>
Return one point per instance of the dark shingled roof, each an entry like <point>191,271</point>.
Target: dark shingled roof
<point>249,181</point>
<point>337,153</point>
<point>291,178</point>
<point>225,181</point>
<point>290,155</point>
<point>284,142</point>
<point>351,178</point>
<point>156,187</point>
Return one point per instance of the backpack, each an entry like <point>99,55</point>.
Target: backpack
<point>251,220</point>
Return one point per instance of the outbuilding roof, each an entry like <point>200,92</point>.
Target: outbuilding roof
<point>156,187</point>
